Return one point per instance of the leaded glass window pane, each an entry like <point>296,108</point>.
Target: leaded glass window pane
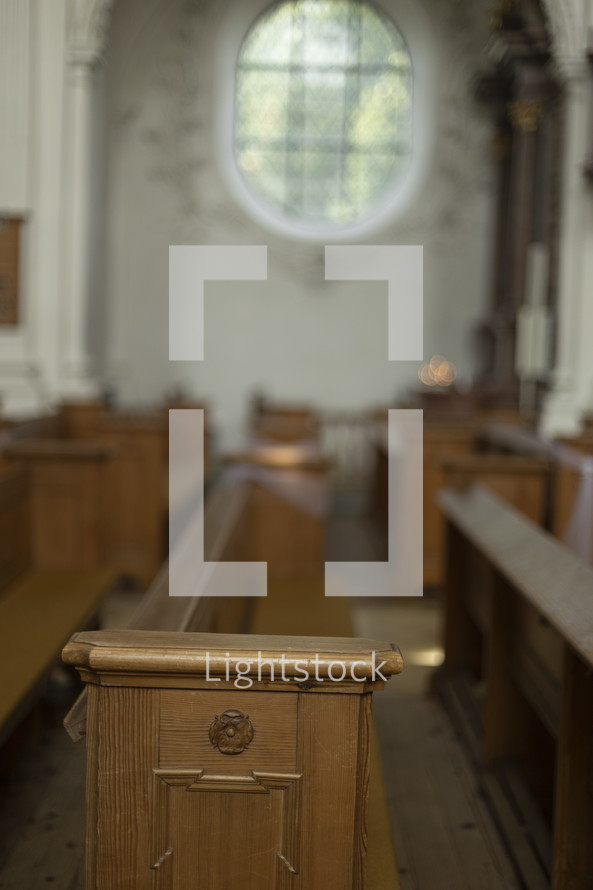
<point>323,114</point>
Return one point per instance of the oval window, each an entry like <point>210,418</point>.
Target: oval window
<point>323,110</point>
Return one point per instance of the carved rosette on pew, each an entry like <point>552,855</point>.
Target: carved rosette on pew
<point>217,760</point>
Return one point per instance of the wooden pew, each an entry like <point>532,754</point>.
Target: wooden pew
<point>70,507</point>
<point>40,606</point>
<point>570,503</point>
<point>135,483</point>
<point>280,422</point>
<point>46,427</point>
<point>297,604</point>
<point>442,440</point>
<point>518,673</point>
<point>288,534</point>
<point>504,457</point>
<point>572,474</point>
<point>279,766</point>
<point>523,482</point>
<point>121,500</point>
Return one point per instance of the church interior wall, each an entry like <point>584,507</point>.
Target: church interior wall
<point>294,336</point>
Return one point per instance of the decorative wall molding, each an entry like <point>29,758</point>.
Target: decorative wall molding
<point>88,25</point>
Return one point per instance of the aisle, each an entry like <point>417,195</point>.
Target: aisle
<point>443,833</point>
<point>42,809</point>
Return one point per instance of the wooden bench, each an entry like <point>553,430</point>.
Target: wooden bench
<point>570,496</point>
<point>287,507</point>
<point>573,494</point>
<point>109,468</point>
<point>520,480</point>
<point>452,457</point>
<point>44,427</point>
<point>69,503</point>
<point>518,673</point>
<point>292,605</point>
<point>40,607</point>
<point>283,422</point>
<point>441,439</point>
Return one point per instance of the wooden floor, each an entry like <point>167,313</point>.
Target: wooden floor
<point>42,809</point>
<point>443,834</point>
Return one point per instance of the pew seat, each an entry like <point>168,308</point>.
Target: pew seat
<point>38,613</point>
<point>40,605</point>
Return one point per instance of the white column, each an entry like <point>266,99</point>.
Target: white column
<point>565,403</point>
<point>572,384</point>
<point>87,37</point>
<point>76,370</point>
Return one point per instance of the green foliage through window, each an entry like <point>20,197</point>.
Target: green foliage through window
<point>323,109</point>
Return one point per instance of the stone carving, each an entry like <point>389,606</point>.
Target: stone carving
<point>231,732</point>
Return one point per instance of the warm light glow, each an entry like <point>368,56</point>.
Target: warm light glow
<point>425,657</point>
<point>438,372</point>
<point>284,455</point>
<point>425,375</point>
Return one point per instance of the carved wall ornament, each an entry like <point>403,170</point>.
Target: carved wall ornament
<point>525,114</point>
<point>231,732</point>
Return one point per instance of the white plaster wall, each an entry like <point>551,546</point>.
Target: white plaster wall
<point>294,336</point>
<point>15,90</point>
<point>31,99</point>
